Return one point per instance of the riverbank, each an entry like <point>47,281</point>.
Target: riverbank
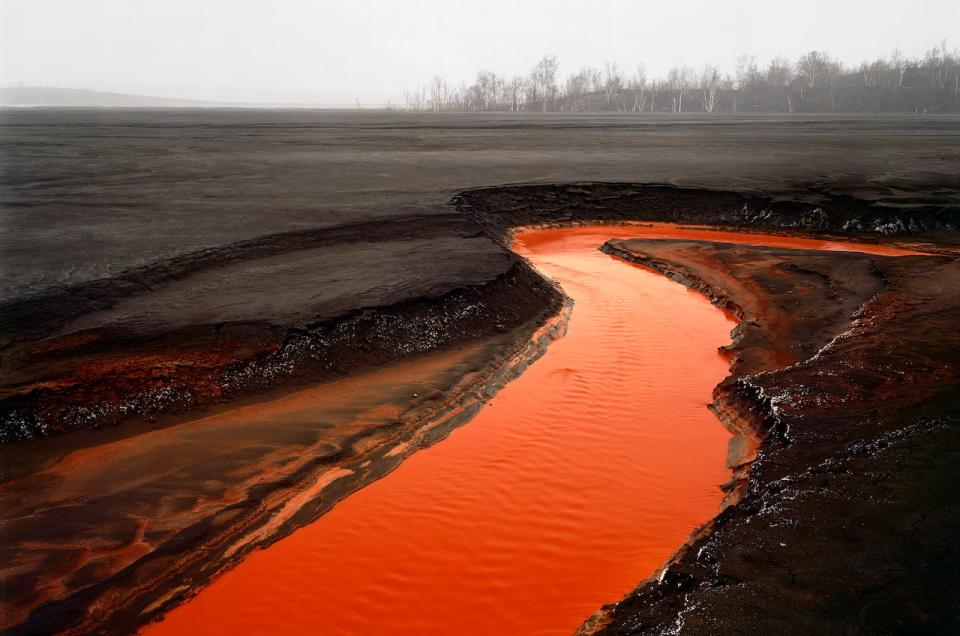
<point>461,537</point>
<point>202,329</point>
<point>847,514</point>
<point>176,267</point>
<point>160,269</point>
<point>155,515</point>
<point>272,508</point>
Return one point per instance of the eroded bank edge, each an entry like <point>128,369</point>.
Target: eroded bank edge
<point>150,587</point>
<point>291,355</point>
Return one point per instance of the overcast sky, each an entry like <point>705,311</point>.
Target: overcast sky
<point>336,51</point>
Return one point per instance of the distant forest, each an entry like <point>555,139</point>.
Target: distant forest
<point>815,83</point>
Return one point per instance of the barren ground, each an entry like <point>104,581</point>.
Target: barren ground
<point>158,266</point>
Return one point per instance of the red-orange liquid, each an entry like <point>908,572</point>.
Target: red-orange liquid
<point>575,483</point>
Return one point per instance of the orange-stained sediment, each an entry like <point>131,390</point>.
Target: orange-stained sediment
<point>576,482</point>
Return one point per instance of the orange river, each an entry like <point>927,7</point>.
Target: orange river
<point>572,485</point>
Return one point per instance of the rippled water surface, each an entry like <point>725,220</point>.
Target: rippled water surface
<point>570,487</point>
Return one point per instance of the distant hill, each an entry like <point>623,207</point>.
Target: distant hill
<point>48,96</point>
<point>25,96</point>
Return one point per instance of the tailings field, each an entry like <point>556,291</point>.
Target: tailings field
<point>217,325</point>
<point>89,194</point>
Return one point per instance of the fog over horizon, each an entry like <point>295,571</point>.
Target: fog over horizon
<point>338,52</point>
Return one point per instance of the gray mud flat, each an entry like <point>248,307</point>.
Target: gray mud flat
<point>161,266</point>
<point>90,194</point>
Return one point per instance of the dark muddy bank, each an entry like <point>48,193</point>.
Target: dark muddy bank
<point>201,328</point>
<point>154,516</point>
<point>817,212</point>
<point>848,368</point>
<point>103,375</point>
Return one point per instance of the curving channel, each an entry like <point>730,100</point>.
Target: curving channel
<point>572,485</point>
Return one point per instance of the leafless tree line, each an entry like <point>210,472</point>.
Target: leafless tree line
<point>815,82</point>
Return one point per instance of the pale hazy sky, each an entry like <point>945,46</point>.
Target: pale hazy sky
<point>336,51</point>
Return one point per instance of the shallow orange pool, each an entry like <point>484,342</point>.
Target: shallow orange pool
<point>576,482</point>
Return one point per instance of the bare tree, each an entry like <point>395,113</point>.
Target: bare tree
<point>710,84</point>
<point>515,90</point>
<point>779,74</point>
<point>872,84</point>
<point>747,76</point>
<point>593,79</point>
<point>900,63</point>
<point>483,93</point>
<point>812,67</point>
<point>938,60</point>
<point>579,85</point>
<point>416,99</point>
<point>868,72</point>
<point>678,81</point>
<point>638,87</point>
<point>461,98</point>
<point>727,85</point>
<point>438,94</point>
<point>543,81</point>
<point>745,72</point>
<point>834,71</point>
<point>612,82</point>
